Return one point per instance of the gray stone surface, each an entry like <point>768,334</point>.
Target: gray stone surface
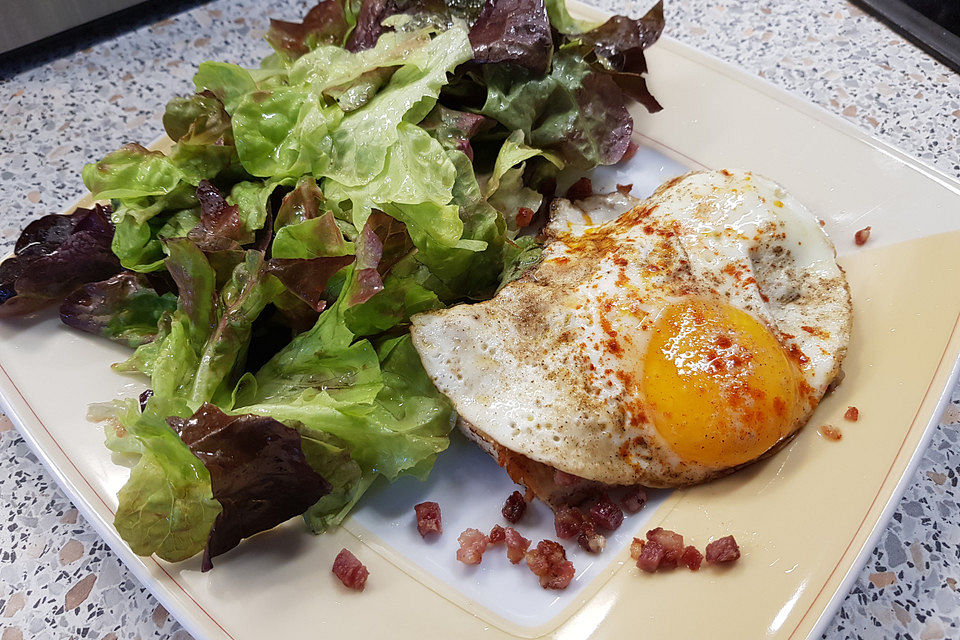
<point>67,104</point>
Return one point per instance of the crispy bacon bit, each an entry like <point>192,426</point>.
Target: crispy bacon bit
<point>524,216</point>
<point>350,570</point>
<point>651,556</point>
<point>606,514</point>
<point>580,189</point>
<point>517,545</point>
<point>514,507</point>
<point>497,535</point>
<point>568,522</point>
<point>852,414</point>
<point>691,558</point>
<point>634,500</point>
<point>564,479</point>
<point>862,236</point>
<point>625,189</point>
<point>472,545</point>
<point>591,541</point>
<point>636,547</point>
<point>671,543</point>
<point>830,432</point>
<point>723,550</point>
<point>549,562</point>
<point>428,518</point>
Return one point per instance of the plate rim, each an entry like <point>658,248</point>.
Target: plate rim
<point>190,616</point>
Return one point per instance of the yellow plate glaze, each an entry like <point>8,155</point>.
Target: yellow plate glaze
<point>803,517</point>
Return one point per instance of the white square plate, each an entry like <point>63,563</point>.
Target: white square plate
<point>803,517</point>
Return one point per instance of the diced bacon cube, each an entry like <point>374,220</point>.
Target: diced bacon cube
<point>650,556</point>
<point>672,544</point>
<point>691,558</point>
<point>350,570</point>
<point>497,534</point>
<point>568,522</point>
<point>524,216</point>
<point>428,518</point>
<point>723,550</point>
<point>582,188</point>
<point>472,545</point>
<point>606,514</point>
<point>549,562</point>
<point>517,545</point>
<point>514,507</point>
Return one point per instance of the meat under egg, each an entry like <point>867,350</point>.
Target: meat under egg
<point>687,335</point>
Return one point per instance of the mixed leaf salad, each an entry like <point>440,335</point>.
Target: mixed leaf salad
<point>384,160</point>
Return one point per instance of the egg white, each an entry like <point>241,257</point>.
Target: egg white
<point>533,369</point>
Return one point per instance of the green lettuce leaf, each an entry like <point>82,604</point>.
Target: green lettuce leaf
<point>362,141</point>
<point>330,67</point>
<point>137,244</point>
<point>230,82</point>
<point>284,132</point>
<point>346,396</point>
<point>251,199</point>
<point>330,457</point>
<point>200,348</point>
<point>574,111</point>
<point>131,172</point>
<point>199,119</point>
<point>519,257</point>
<point>464,270</point>
<point>166,506</point>
<point>423,204</point>
<point>562,21</point>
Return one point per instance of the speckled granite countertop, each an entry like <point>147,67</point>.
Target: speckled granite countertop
<point>60,108</point>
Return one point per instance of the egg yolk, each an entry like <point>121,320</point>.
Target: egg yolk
<point>719,387</point>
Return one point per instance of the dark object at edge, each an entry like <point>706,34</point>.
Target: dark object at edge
<point>922,30</point>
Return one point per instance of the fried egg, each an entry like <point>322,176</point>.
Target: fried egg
<point>666,344</point>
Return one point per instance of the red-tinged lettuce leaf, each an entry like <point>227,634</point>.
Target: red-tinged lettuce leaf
<point>635,86</point>
<point>619,42</point>
<point>369,27</point>
<point>258,473</point>
<point>454,129</point>
<point>395,242</point>
<point>326,23</point>
<point>220,228</point>
<point>124,308</point>
<point>574,111</point>
<point>366,279</point>
<point>307,277</point>
<point>401,292</point>
<point>515,32</point>
<point>45,234</point>
<point>302,203</point>
<point>55,255</point>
